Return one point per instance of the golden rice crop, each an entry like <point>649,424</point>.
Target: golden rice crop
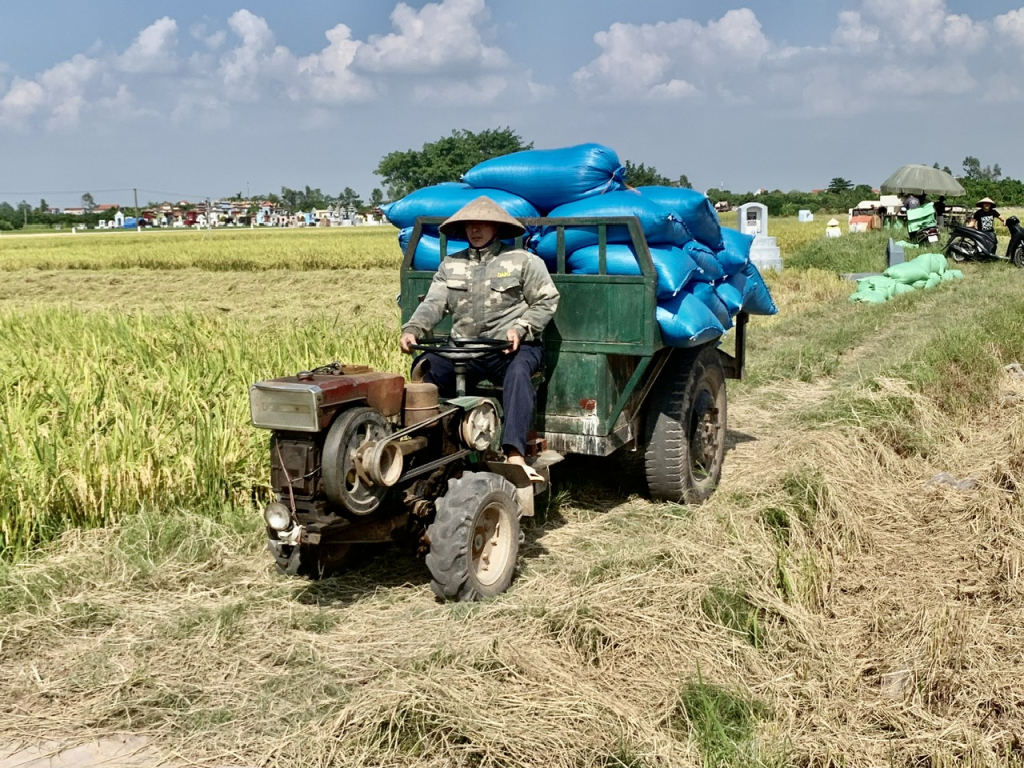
<point>221,250</point>
<point>103,414</point>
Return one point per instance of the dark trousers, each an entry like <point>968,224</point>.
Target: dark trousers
<point>518,397</point>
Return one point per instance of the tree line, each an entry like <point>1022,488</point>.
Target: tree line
<point>448,158</point>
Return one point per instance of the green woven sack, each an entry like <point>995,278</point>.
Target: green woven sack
<point>868,297</point>
<point>877,284</point>
<point>902,288</point>
<point>952,274</point>
<point>934,279</point>
<point>910,272</point>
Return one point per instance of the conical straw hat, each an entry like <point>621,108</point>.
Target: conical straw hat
<point>832,223</point>
<point>988,200</point>
<point>482,209</point>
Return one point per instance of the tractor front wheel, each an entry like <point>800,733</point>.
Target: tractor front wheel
<point>474,539</point>
<point>686,428</point>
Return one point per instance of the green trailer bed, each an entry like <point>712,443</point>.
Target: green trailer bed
<point>603,351</point>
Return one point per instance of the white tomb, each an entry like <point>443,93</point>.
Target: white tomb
<point>752,219</point>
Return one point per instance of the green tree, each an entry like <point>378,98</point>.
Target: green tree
<point>376,198</point>
<point>683,182</point>
<point>642,176</point>
<point>349,200</point>
<point>974,171</point>
<point>88,202</point>
<point>445,159</point>
<point>839,184</point>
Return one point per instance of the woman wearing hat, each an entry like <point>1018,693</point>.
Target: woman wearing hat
<point>984,219</point>
<point>495,291</point>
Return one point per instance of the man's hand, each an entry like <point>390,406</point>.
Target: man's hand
<point>405,340</point>
<point>513,336</point>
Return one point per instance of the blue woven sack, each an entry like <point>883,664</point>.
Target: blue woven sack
<point>686,321</point>
<point>731,296</point>
<point>735,256</point>
<point>659,224</point>
<point>551,177</point>
<point>693,209</point>
<point>673,266</point>
<point>709,269</point>
<point>756,298</point>
<point>707,294</point>
<point>428,250</point>
<point>445,199</point>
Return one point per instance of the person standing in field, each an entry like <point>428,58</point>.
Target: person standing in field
<point>940,212</point>
<point>984,219</point>
<point>495,291</point>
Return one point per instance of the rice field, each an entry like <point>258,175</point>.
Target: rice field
<point>833,604</point>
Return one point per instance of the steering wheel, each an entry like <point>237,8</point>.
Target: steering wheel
<point>462,350</point>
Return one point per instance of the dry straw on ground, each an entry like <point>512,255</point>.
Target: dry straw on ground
<point>887,610</point>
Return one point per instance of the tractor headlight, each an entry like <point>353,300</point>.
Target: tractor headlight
<point>278,516</point>
<point>285,406</point>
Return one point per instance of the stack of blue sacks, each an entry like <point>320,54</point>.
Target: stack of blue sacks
<point>705,276</point>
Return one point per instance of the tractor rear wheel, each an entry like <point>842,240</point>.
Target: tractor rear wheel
<point>474,539</point>
<point>686,427</point>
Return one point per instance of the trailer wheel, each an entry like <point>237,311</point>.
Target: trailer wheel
<point>474,539</point>
<point>686,428</point>
<point>1018,257</point>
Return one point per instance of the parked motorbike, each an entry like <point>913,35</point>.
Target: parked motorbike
<point>969,244</point>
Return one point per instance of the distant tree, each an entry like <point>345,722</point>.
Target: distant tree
<point>349,200</point>
<point>376,198</point>
<point>683,182</point>
<point>642,176</point>
<point>445,159</point>
<point>839,184</point>
<point>88,202</point>
<point>43,206</point>
<point>974,171</point>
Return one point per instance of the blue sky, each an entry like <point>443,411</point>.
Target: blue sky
<point>214,98</point>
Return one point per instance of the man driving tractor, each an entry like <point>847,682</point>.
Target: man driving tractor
<point>495,291</point>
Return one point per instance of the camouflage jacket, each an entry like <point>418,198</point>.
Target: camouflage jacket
<point>487,292</point>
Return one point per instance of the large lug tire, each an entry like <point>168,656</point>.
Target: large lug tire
<point>310,561</point>
<point>474,539</point>
<point>686,428</point>
<point>342,482</point>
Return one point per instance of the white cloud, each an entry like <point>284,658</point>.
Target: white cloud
<point>476,92</point>
<point>674,59</point>
<point>59,91</point>
<point>1011,26</point>
<point>923,27</point>
<point>854,35</point>
<point>438,37</point>
<point>880,56</point>
<point>154,50</point>
<point>212,40</point>
<point>329,77</point>
<point>20,103</point>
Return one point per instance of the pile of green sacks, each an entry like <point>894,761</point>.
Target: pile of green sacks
<point>925,271</point>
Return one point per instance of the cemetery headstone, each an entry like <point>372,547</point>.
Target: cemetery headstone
<point>752,219</point>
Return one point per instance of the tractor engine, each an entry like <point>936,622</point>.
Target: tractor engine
<point>325,424</point>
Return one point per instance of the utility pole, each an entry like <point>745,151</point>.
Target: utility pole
<point>136,193</point>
